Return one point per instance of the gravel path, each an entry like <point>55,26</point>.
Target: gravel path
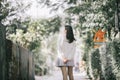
<point>56,75</point>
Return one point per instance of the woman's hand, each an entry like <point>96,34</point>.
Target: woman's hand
<point>65,60</point>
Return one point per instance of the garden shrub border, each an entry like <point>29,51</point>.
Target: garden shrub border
<point>104,63</point>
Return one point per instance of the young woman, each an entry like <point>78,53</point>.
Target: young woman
<point>66,51</point>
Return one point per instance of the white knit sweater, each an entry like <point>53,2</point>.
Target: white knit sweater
<point>66,49</point>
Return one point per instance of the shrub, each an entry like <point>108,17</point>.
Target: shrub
<point>104,63</point>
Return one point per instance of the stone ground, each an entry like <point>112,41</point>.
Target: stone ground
<point>56,75</point>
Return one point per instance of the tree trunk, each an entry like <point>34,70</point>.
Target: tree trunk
<point>2,53</point>
<point>117,17</point>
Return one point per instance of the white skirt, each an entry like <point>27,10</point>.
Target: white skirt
<point>59,63</point>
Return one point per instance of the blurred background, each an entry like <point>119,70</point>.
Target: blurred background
<point>35,24</point>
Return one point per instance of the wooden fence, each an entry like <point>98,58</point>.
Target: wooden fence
<point>19,62</point>
<point>16,63</point>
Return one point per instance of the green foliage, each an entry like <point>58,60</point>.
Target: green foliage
<point>115,53</point>
<point>41,54</point>
<point>95,14</point>
<point>39,61</point>
<point>77,9</point>
<point>30,34</point>
<point>72,1</point>
<point>95,64</point>
<point>92,14</point>
<point>10,10</point>
<point>105,62</point>
<point>88,46</point>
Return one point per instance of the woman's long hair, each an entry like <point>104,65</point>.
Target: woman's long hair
<point>69,33</point>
